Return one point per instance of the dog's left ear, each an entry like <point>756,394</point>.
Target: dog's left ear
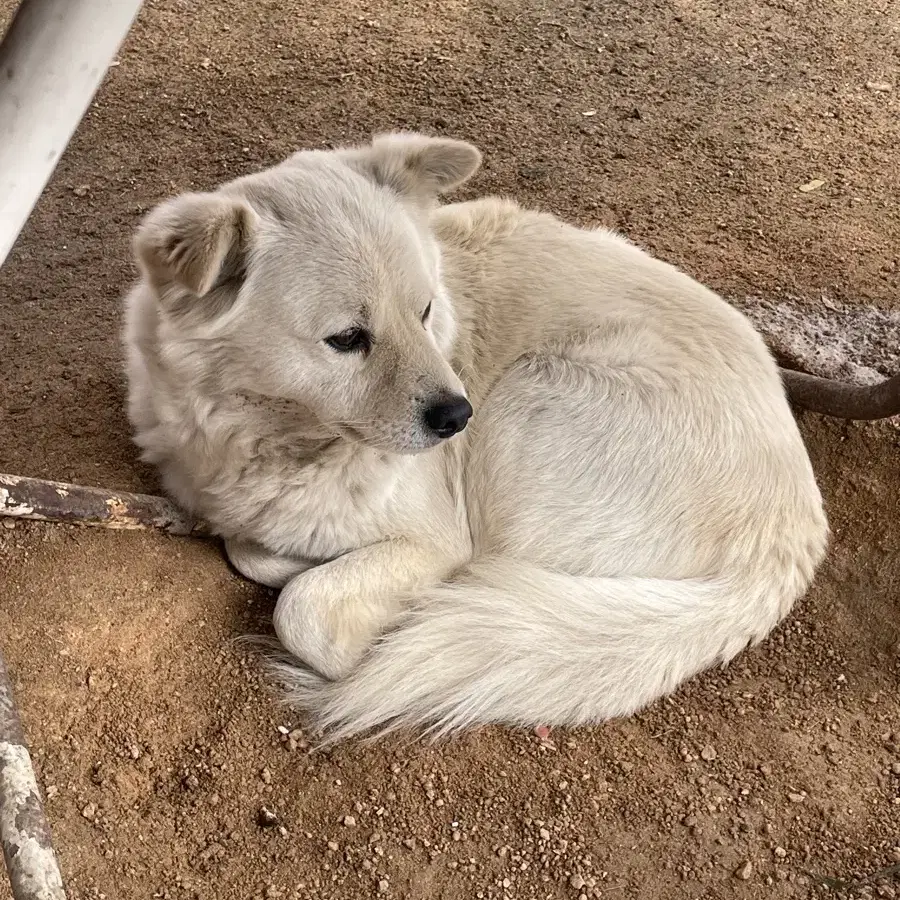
<point>416,165</point>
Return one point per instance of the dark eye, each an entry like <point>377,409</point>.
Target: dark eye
<point>426,314</point>
<point>353,340</point>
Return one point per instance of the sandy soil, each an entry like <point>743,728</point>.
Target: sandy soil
<point>689,125</point>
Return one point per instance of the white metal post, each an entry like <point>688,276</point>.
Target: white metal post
<point>52,60</point>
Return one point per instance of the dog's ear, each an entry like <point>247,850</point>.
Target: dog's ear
<point>195,240</point>
<point>416,165</point>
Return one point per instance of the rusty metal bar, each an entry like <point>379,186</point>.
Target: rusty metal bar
<point>56,501</point>
<point>24,831</point>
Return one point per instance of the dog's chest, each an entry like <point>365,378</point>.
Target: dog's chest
<point>327,507</point>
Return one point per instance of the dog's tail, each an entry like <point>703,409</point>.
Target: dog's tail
<point>508,642</point>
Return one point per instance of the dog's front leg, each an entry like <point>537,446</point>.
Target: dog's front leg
<point>253,561</point>
<point>330,615</point>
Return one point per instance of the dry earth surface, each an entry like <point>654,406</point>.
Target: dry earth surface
<point>688,124</point>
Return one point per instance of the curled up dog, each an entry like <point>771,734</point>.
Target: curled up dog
<point>503,469</point>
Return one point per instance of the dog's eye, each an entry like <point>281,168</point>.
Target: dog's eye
<point>353,340</point>
<point>426,314</point>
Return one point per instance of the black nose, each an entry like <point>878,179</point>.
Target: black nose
<point>448,415</point>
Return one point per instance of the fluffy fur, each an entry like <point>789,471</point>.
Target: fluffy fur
<point>630,504</point>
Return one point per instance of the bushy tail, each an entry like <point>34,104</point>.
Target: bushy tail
<point>511,643</point>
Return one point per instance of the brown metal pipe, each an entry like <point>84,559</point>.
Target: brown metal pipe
<point>841,399</point>
<point>56,501</point>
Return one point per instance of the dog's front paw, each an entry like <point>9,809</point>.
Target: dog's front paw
<point>330,636</point>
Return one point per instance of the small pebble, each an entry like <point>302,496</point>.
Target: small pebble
<point>295,740</point>
<point>349,822</point>
<point>745,871</point>
<point>265,818</point>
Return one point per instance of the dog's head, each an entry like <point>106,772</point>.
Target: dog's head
<point>319,282</point>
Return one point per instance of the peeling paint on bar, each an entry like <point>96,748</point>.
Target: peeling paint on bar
<point>12,507</point>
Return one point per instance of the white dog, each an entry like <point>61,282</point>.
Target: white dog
<point>630,503</point>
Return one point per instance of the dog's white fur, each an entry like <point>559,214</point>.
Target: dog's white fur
<point>631,503</point>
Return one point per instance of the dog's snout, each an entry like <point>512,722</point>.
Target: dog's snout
<point>448,415</point>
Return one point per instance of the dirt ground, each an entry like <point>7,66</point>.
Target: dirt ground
<point>687,124</point>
